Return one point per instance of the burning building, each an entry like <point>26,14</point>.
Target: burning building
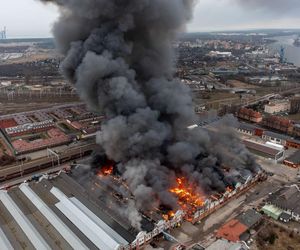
<point>119,56</point>
<point>107,184</point>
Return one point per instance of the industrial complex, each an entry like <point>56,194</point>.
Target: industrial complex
<point>58,212</point>
<point>27,137</point>
<point>129,175</point>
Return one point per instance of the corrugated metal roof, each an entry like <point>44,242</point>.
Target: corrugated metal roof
<point>33,235</point>
<point>272,209</point>
<point>287,198</point>
<point>83,222</point>
<point>4,242</point>
<point>68,235</point>
<point>100,223</point>
<point>261,148</point>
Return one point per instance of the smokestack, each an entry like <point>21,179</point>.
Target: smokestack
<point>118,54</point>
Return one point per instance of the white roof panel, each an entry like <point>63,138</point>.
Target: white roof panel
<point>55,221</point>
<point>83,222</point>
<point>4,242</point>
<point>33,235</point>
<point>117,237</point>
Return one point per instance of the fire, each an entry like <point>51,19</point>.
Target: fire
<point>106,170</point>
<point>189,199</point>
<point>168,216</point>
<point>186,193</point>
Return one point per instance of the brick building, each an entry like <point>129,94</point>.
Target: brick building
<point>250,115</point>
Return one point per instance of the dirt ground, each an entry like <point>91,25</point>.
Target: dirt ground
<point>11,108</point>
<point>239,84</point>
<point>273,237</point>
<point>295,117</point>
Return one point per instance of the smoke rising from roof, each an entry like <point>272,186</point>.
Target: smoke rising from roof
<point>120,58</point>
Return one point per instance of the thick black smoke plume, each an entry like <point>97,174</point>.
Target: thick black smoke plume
<point>119,56</point>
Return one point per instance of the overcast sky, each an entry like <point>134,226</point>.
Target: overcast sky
<point>29,18</point>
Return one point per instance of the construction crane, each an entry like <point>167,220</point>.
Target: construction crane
<point>3,34</point>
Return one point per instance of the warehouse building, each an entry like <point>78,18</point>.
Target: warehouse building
<point>58,213</point>
<point>265,150</point>
<point>47,215</point>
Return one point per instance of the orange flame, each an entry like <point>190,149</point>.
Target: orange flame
<point>229,189</point>
<point>106,170</point>
<point>189,199</point>
<point>168,216</point>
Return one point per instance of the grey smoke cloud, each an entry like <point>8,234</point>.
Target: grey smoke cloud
<point>118,54</point>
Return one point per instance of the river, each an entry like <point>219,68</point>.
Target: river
<point>292,53</point>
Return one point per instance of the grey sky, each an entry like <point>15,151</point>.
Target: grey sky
<point>30,18</point>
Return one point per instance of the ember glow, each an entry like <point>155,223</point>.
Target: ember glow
<point>168,216</point>
<point>106,170</point>
<point>188,197</point>
<point>229,189</point>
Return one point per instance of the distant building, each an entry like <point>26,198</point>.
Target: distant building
<point>250,115</point>
<point>295,105</point>
<point>279,123</point>
<point>224,71</point>
<point>278,107</point>
<point>219,54</point>
<point>3,34</point>
<point>29,128</point>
